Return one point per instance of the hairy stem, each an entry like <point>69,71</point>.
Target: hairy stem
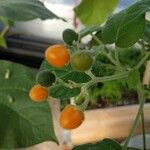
<point>141,97</point>
<point>118,64</point>
<point>143,131</point>
<point>84,105</point>
<point>96,39</point>
<point>113,61</point>
<point>89,73</point>
<point>142,60</point>
<point>108,78</point>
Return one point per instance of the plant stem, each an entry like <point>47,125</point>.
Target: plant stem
<point>143,45</point>
<point>118,61</point>
<point>113,61</point>
<point>77,46</point>
<point>6,28</point>
<point>84,105</point>
<point>109,56</point>
<point>141,97</point>
<point>94,80</point>
<point>142,60</point>
<point>108,78</point>
<point>143,131</point>
<point>96,39</point>
<point>99,50</point>
<point>89,73</point>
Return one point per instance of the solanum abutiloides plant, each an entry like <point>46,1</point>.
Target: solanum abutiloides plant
<point>76,68</point>
<point>73,70</point>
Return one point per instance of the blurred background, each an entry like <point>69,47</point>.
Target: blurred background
<point>52,29</point>
<point>27,41</point>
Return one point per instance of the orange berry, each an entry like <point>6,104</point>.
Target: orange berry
<point>57,55</point>
<point>71,117</point>
<point>38,93</point>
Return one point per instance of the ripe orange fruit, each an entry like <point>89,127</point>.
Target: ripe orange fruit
<point>38,93</point>
<point>71,117</point>
<point>57,55</point>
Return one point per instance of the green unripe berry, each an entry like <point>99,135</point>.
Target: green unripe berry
<point>81,61</point>
<point>69,36</point>
<point>45,78</point>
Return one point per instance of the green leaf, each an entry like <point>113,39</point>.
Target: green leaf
<point>66,73</point>
<point>146,34</point>
<point>133,79</point>
<point>22,10</point>
<point>100,69</point>
<point>61,92</point>
<point>3,42</point>
<point>22,122</point>
<point>106,144</point>
<point>126,27</point>
<point>94,12</point>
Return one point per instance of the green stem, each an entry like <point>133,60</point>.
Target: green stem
<point>69,85</point>
<point>94,80</point>
<point>109,56</point>
<point>89,73</point>
<point>143,131</point>
<point>118,61</point>
<point>98,50</point>
<point>113,61</point>
<point>108,78</point>
<point>104,79</point>
<point>142,60</point>
<point>143,45</point>
<point>77,46</point>
<point>141,97</point>
<point>96,39</point>
<point>4,31</point>
<point>84,105</point>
